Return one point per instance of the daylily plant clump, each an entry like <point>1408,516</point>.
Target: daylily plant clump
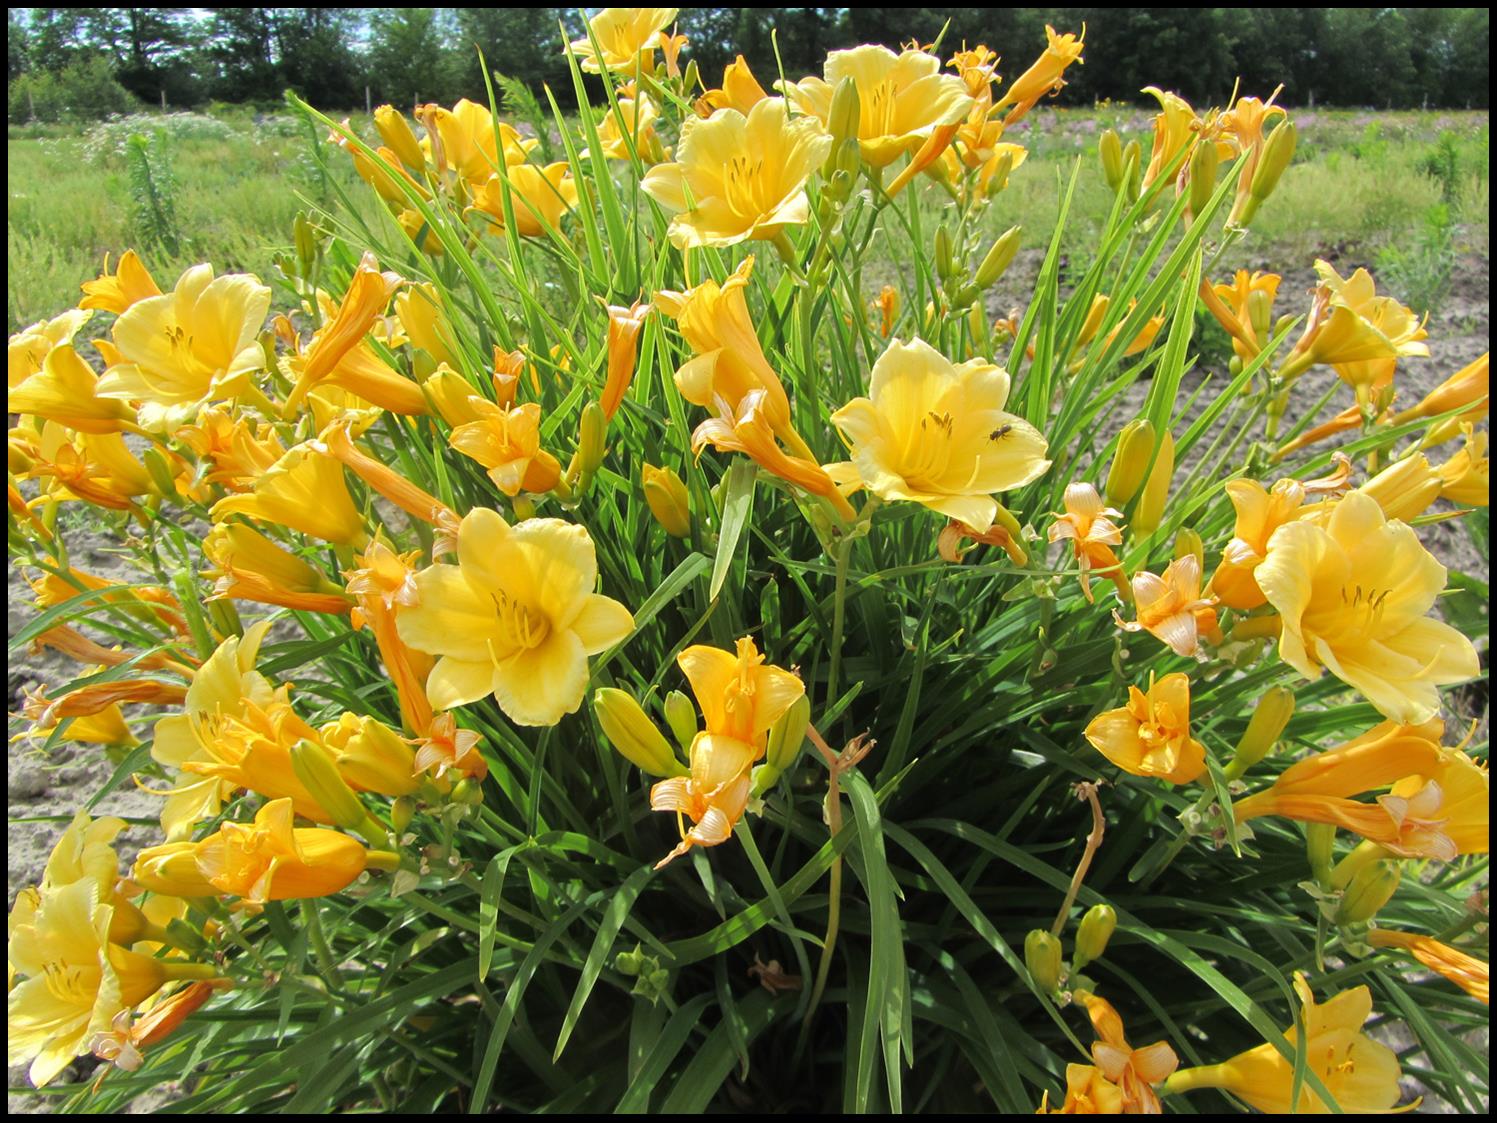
<point>617,624</point>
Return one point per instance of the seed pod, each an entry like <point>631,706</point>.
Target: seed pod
<point>1042,957</point>
<point>630,731</point>
<point>1130,462</point>
<point>1095,930</point>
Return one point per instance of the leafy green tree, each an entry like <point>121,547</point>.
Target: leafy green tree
<point>410,55</point>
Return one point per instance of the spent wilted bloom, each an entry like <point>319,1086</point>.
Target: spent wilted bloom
<point>115,292</point>
<point>1467,972</point>
<point>1092,530</point>
<point>1362,1074</point>
<point>1354,596</point>
<point>1133,1071</point>
<point>515,618</point>
<point>1150,736</point>
<point>739,177</point>
<point>902,98</point>
<point>936,433</point>
<point>194,345</point>
<point>370,755</point>
<point>1468,390</point>
<point>1171,608</point>
<point>249,566</point>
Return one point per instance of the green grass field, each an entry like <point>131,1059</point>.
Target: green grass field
<point>1362,182</point>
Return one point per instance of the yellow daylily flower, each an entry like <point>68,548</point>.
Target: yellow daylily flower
<point>418,308</point>
<point>371,756</point>
<point>1467,476</point>
<point>740,90</point>
<point>1353,596</point>
<point>539,195</point>
<point>237,450</point>
<point>624,326</point>
<point>1244,309</point>
<point>713,796</point>
<point>303,490</point>
<point>738,177</point>
<point>1362,1074</point>
<point>515,618</point>
<point>194,345</point>
<point>65,390</point>
<point>1465,799</point>
<point>1468,389</point>
<point>1088,1092</point>
<point>1354,330</point>
<point>270,860</point>
<point>1150,736</point>
<point>1133,1071</point>
<point>1176,128</point>
<point>249,566</point>
<point>467,139</point>
<point>1465,971</point>
<point>1245,122</point>
<point>936,433</point>
<point>27,348</point>
<point>508,443</point>
<point>740,695</point>
<point>623,35</point>
<point>114,292</point>
<point>1171,608</point>
<point>385,586</point>
<point>631,130</point>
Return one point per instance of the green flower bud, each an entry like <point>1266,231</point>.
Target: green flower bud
<point>1131,461</point>
<point>788,733</point>
<point>1042,957</point>
<point>630,731</point>
<point>1203,168</point>
<point>846,114</point>
<point>1272,714</point>
<point>591,439</point>
<point>668,500</point>
<point>315,768</point>
<point>999,257</point>
<point>1149,512</point>
<point>1133,170</point>
<point>681,716</point>
<point>402,811</point>
<point>1097,927</point>
<point>945,265</point>
<point>1188,542</point>
<point>1371,889</point>
<point>1277,154</point>
<point>1320,849</point>
<point>1110,148</point>
<point>764,777</point>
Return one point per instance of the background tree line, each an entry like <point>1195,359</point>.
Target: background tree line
<point>91,61</point>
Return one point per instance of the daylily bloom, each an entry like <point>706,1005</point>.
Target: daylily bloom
<point>1044,75</point>
<point>728,359</point>
<point>114,292</point>
<point>1134,1071</point>
<point>418,309</point>
<point>1468,389</point>
<point>1362,1074</point>
<point>127,1036</point>
<point>385,586</point>
<point>1176,129</point>
<point>1245,123</point>
<point>670,48</point>
<point>1150,736</point>
<point>370,755</point>
<point>194,345</point>
<point>713,797</point>
<point>270,860</point>
<point>251,749</point>
<point>624,326</point>
<point>623,35</point>
<point>937,434</point>
<point>237,451</point>
<point>27,348</point>
<point>1466,476</point>
<point>1092,531</point>
<point>1088,1092</point>
<point>508,443</point>
<point>738,177</point>
<point>1465,971</point>
<point>1244,309</point>
<point>539,196</point>
<point>106,727</point>
<point>740,695</point>
<point>515,618</point>
<point>1404,489</point>
<point>740,90</point>
<point>1465,791</point>
<point>1171,608</point>
<point>1350,327</point>
<point>1353,595</point>
<point>65,390</point>
<point>887,307</point>
<point>249,566</point>
<point>467,139</point>
<point>949,541</point>
<point>305,491</point>
<point>631,131</point>
<point>445,748</point>
<point>902,99</point>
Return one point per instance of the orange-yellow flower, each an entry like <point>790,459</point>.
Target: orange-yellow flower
<point>1133,1071</point>
<point>249,566</point>
<point>1150,736</point>
<point>1354,595</point>
<point>27,348</point>
<point>1088,1092</point>
<point>1176,128</point>
<point>539,196</point>
<point>1244,309</point>
<point>115,292</point>
<point>1468,390</point>
<point>446,749</point>
<point>270,860</point>
<point>1353,329</point>
<point>1467,476</point>
<point>1092,531</point>
<point>236,451</point>
<point>305,491</point>
<point>1171,608</point>
<point>370,755</point>
<point>1465,971</point>
<point>740,90</point>
<point>467,139</point>
<point>65,390</point>
<point>1044,75</point>
<point>627,38</point>
<point>508,443</point>
<point>1360,1073</point>
<point>738,177</point>
<point>624,326</point>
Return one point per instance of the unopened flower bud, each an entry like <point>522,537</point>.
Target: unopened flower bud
<point>1133,170</point>
<point>1095,930</point>
<point>469,791</point>
<point>945,265</point>
<point>315,768</point>
<point>402,811</point>
<point>396,132</point>
<point>1320,850</point>
<point>172,870</point>
<point>666,494</point>
<point>1188,542</point>
<point>591,439</point>
<point>160,471</point>
<point>846,113</point>
<point>1277,154</point>
<point>1042,957</point>
<point>305,239</point>
<point>1003,166</point>
<point>1110,148</point>
<point>1131,461</point>
<point>762,778</point>
<point>1203,167</point>
<point>630,731</point>
<point>1150,509</point>
<point>1371,889</point>
<point>1265,727</point>
<point>681,716</point>
<point>999,257</point>
<point>788,734</point>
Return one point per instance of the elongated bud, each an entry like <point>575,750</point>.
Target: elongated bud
<point>692,77</point>
<point>160,471</point>
<point>305,239</point>
<point>788,734</point>
<point>171,869</point>
<point>998,178</point>
<point>1320,850</point>
<point>1042,957</point>
<point>1203,167</point>
<point>846,113</point>
<point>1133,170</point>
<point>1005,518</point>
<point>945,265</point>
<point>127,924</point>
<point>1096,928</point>
<point>1371,889</point>
<point>1260,312</point>
<point>1110,148</point>
<point>1130,462</point>
<point>999,257</point>
<point>681,716</point>
<point>315,768</point>
<point>1150,509</point>
<point>591,439</point>
<point>469,791</point>
<point>668,500</point>
<point>1264,729</point>
<point>396,132</point>
<point>763,777</point>
<point>402,811</point>
<point>1188,542</point>
<point>1277,154</point>
<point>630,731</point>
